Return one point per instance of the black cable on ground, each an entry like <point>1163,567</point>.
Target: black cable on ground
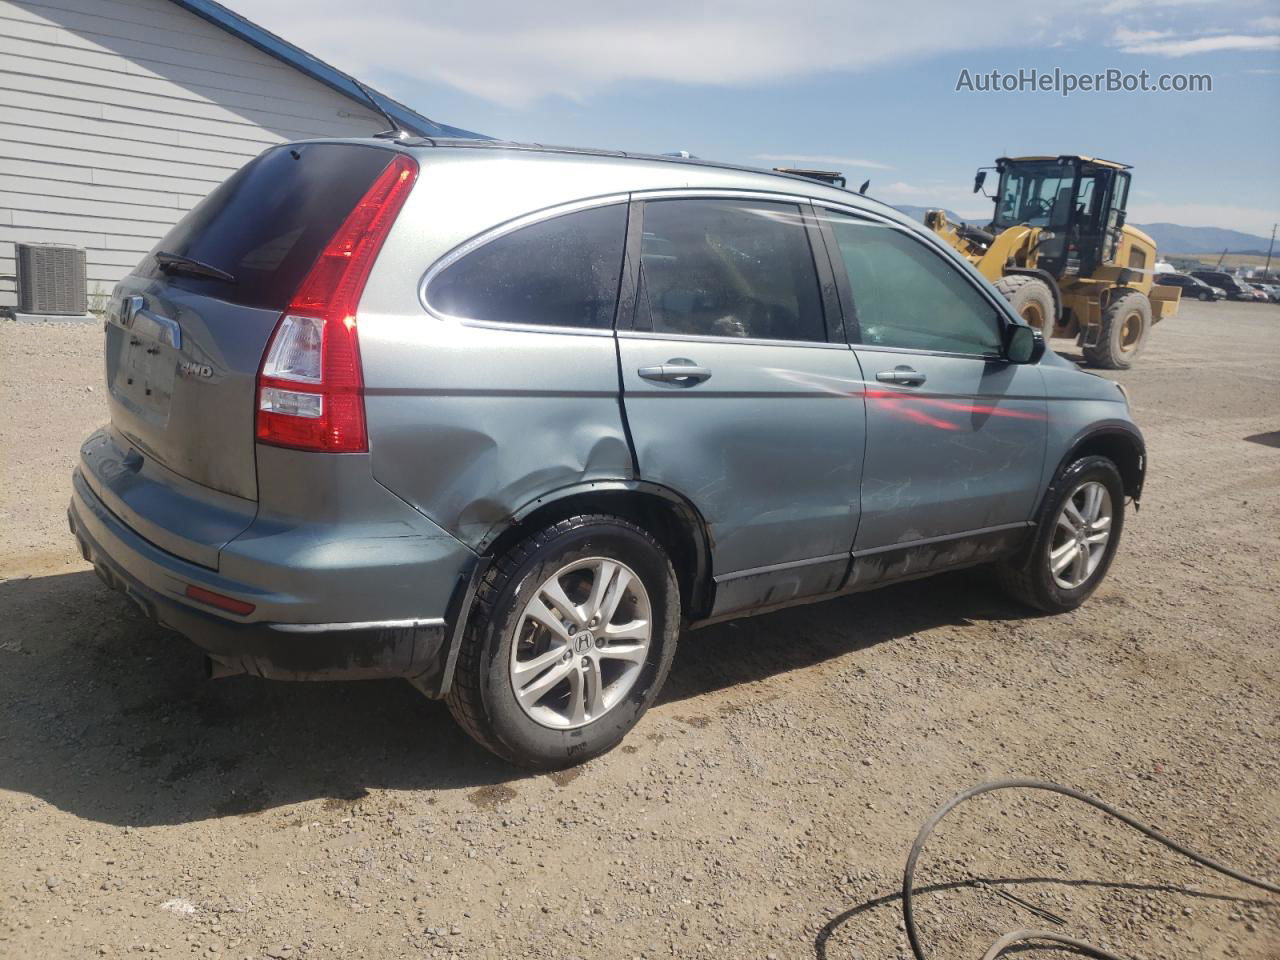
<point>1048,936</point>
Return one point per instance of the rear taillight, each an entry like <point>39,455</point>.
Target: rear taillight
<point>310,388</point>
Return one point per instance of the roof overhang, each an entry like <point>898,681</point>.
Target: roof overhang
<point>407,120</point>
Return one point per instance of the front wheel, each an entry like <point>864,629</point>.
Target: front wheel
<point>568,644</point>
<point>1076,537</point>
<point>1205,295</point>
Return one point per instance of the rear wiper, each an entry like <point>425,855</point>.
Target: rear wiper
<point>176,263</point>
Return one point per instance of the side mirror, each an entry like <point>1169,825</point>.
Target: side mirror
<point>979,179</point>
<point>1023,344</point>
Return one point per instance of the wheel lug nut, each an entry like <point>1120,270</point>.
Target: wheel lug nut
<point>599,641</point>
<point>586,662</point>
<point>567,656</point>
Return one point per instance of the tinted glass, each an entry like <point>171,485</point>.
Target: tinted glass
<point>908,296</point>
<point>269,221</point>
<point>728,268</point>
<point>560,272</point>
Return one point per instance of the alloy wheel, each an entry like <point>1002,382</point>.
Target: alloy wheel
<point>581,644</point>
<point>1080,535</point>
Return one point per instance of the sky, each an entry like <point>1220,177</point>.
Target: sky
<point>868,88</point>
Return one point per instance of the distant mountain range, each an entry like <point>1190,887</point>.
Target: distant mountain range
<point>1169,237</point>
<point>1172,238</point>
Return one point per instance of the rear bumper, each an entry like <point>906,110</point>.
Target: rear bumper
<point>156,581</point>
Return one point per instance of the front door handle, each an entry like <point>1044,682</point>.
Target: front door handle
<point>682,372</point>
<point>902,375</point>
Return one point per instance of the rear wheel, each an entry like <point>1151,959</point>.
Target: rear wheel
<point>568,644</point>
<point>1125,325</point>
<point>1031,299</point>
<point>1076,537</point>
<point>1206,295</point>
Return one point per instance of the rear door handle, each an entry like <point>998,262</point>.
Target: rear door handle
<point>903,375</point>
<point>682,372</point>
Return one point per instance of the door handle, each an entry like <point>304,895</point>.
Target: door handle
<point>902,375</point>
<point>682,372</point>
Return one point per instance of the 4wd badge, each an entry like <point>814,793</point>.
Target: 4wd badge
<point>189,368</point>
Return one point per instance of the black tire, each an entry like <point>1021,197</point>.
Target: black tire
<point>1126,324</point>
<point>1205,295</point>
<point>1026,576</point>
<point>1031,299</point>
<point>482,698</point>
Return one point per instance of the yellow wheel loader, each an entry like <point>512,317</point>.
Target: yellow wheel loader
<point>1059,250</point>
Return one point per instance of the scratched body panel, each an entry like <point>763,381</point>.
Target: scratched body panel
<point>964,453</point>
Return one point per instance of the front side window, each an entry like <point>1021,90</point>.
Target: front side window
<point>561,272</point>
<point>910,297</point>
<point>728,268</point>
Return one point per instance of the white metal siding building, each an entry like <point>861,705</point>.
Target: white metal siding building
<point>118,116</point>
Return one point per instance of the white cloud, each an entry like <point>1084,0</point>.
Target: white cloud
<point>514,52</point>
<point>816,160</point>
<point>1248,219</point>
<point>1146,6</point>
<point>1124,36</point>
<point>1212,44</point>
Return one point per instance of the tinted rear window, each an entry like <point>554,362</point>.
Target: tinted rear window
<point>267,223</point>
<point>560,272</point>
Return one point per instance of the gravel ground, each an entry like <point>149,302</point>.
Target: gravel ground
<point>763,808</point>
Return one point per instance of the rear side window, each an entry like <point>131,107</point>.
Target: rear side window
<point>728,268</point>
<point>561,272</point>
<point>907,296</point>
<point>269,221</point>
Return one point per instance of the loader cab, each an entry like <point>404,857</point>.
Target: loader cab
<point>1078,202</point>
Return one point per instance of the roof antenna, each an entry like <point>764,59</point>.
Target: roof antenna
<point>863,189</point>
<point>393,130</point>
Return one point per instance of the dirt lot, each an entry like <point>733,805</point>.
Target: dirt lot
<point>763,809</point>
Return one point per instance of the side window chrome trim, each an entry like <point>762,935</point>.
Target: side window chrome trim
<point>711,193</point>
<point>501,230</point>
<point>919,352</point>
<point>709,338</point>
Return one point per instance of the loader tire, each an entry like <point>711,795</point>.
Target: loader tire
<point>1126,324</point>
<point>1031,299</point>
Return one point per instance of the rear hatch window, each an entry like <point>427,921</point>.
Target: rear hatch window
<point>183,350</point>
<point>266,225</point>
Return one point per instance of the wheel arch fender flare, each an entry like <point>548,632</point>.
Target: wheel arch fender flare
<point>680,528</point>
<point>1117,440</point>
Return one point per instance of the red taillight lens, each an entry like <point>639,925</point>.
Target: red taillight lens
<point>310,389</point>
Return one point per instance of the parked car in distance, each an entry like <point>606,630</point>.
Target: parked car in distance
<point>1191,287</point>
<point>1224,281</point>
<point>1267,294</point>
<point>503,420</point>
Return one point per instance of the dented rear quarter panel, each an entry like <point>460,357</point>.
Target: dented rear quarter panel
<point>469,422</point>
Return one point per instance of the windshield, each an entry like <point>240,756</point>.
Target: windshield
<point>1036,193</point>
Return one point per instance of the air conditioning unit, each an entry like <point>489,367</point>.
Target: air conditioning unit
<point>51,280</point>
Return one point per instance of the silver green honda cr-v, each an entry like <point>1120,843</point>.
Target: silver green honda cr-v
<point>503,420</point>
